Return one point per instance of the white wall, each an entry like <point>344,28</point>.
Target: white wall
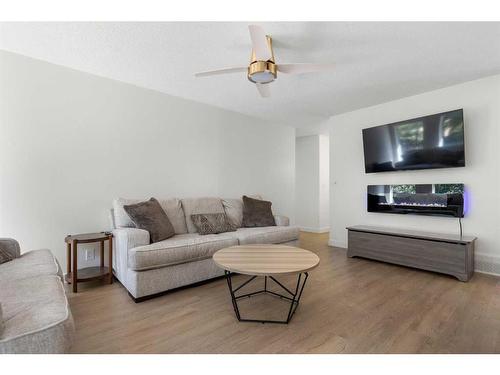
<point>307,180</point>
<point>481,103</point>
<point>312,183</point>
<point>324,182</point>
<point>71,141</point>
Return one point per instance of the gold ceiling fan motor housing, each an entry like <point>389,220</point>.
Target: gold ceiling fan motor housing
<point>262,71</point>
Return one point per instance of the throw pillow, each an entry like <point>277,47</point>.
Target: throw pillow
<point>5,256</point>
<point>212,223</point>
<point>257,213</point>
<point>234,211</point>
<point>150,216</point>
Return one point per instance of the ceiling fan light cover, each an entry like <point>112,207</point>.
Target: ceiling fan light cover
<point>263,68</point>
<point>262,72</point>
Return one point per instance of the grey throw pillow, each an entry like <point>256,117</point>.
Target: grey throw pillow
<point>212,223</point>
<point>257,213</point>
<point>5,256</point>
<point>150,216</point>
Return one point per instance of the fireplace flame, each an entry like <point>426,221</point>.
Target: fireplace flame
<point>413,204</point>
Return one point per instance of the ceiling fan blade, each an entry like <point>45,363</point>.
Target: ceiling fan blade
<point>304,68</point>
<point>259,43</point>
<point>221,71</point>
<point>264,90</point>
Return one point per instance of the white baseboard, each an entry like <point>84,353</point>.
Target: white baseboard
<point>487,273</point>
<point>487,263</point>
<point>336,243</point>
<point>315,230</point>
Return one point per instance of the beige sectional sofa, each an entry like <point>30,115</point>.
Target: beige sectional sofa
<point>148,269</point>
<point>35,316</point>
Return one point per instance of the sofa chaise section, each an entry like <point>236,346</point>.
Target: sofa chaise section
<point>35,312</point>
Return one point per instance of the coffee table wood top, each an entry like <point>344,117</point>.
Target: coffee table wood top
<point>266,260</point>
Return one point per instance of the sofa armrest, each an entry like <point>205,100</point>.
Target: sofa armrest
<point>128,238</point>
<point>281,220</point>
<point>11,246</point>
<point>125,239</point>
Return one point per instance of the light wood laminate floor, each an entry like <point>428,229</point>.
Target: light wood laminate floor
<point>348,306</point>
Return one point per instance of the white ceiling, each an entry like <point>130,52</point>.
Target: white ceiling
<point>376,62</point>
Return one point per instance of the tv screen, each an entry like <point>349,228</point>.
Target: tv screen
<point>435,141</point>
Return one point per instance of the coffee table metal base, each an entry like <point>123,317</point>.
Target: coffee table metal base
<point>293,297</point>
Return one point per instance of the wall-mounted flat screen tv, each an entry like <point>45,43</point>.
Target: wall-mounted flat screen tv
<point>435,141</point>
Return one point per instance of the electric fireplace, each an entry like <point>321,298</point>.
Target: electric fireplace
<point>421,199</point>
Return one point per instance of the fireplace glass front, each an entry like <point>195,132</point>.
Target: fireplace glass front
<point>421,199</point>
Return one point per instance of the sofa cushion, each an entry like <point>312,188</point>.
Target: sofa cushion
<point>122,220</point>
<point>193,206</point>
<point>175,213</point>
<point>178,249</point>
<point>151,217</point>
<point>234,211</point>
<point>31,264</point>
<point>257,213</point>
<point>36,315</point>
<point>172,208</point>
<point>265,235</point>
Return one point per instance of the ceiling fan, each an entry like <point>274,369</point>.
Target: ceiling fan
<point>263,68</point>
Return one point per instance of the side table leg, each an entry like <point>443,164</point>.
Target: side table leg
<point>68,258</point>
<point>110,255</point>
<point>102,254</point>
<point>75,265</point>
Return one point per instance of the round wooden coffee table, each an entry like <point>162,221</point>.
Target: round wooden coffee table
<point>268,261</point>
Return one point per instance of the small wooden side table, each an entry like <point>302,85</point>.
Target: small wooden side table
<point>75,275</point>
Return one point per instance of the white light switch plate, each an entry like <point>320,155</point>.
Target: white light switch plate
<point>89,254</point>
